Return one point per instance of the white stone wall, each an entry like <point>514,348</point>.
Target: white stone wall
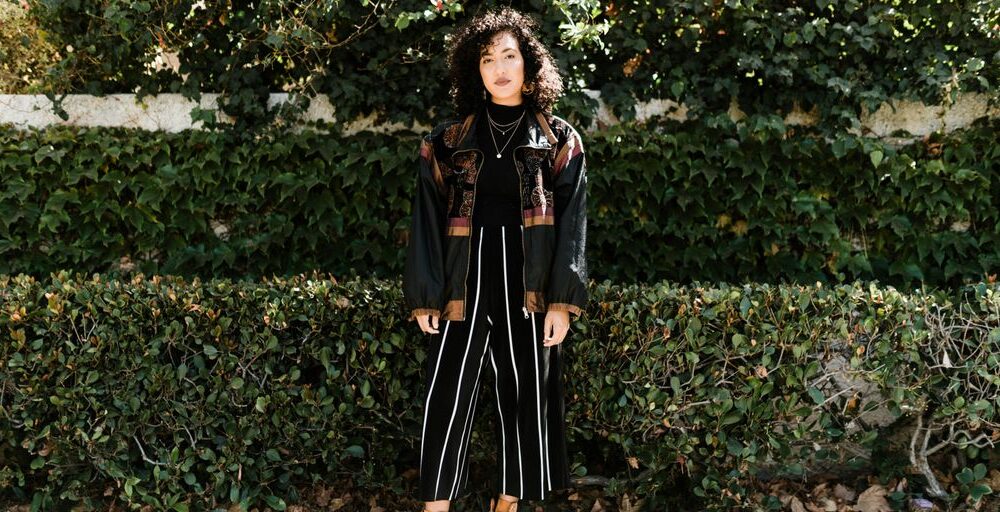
<point>172,113</point>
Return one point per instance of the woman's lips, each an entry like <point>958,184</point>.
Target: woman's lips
<point>502,82</point>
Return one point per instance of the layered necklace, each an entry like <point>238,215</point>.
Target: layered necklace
<point>503,128</point>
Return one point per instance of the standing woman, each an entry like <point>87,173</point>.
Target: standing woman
<point>497,252</point>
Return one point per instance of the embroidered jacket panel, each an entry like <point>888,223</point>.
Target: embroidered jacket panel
<point>551,165</point>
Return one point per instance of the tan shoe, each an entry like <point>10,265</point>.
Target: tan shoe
<point>499,505</point>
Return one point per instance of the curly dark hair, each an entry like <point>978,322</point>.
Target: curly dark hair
<point>468,41</point>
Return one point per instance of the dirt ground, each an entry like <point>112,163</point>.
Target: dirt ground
<point>824,496</point>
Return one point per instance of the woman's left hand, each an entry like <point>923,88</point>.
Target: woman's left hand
<point>556,327</point>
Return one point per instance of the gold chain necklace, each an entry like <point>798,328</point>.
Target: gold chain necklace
<point>516,123</point>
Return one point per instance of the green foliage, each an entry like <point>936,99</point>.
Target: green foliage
<point>971,482</point>
<point>731,201</point>
<point>25,54</point>
<point>835,56</point>
<point>723,201</point>
<point>194,394</point>
<point>202,202</point>
<point>367,56</point>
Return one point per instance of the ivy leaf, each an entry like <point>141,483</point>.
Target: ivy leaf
<point>275,40</point>
<point>275,502</point>
<point>402,21</point>
<point>677,88</point>
<point>816,395</point>
<point>876,157</point>
<point>354,451</point>
<point>974,64</point>
<point>978,491</point>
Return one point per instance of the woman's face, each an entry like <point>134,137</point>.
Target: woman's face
<point>502,69</point>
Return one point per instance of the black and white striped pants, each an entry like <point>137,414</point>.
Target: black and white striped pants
<point>506,341</point>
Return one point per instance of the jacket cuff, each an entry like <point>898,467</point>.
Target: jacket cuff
<point>562,306</point>
<point>423,311</point>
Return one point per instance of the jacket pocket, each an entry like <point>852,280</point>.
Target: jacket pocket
<point>539,247</point>
<point>456,257</point>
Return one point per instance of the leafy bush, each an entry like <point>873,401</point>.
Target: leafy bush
<point>190,394</point>
<point>723,202</point>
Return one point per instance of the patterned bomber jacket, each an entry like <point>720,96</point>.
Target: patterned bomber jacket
<point>551,167</point>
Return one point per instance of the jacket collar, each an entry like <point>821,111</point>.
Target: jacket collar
<point>538,135</point>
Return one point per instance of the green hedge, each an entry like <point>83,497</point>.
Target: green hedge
<point>720,201</point>
<point>190,394</point>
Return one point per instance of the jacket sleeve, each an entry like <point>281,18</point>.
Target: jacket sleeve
<point>567,289</point>
<point>423,276</point>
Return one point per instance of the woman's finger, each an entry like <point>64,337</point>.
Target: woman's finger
<point>425,324</point>
<point>556,337</point>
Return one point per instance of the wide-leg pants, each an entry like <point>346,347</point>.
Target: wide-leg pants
<point>497,337</point>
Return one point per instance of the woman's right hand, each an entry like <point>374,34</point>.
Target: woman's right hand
<point>425,323</point>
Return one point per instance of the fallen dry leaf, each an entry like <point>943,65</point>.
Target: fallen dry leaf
<point>819,490</point>
<point>842,493</point>
<point>993,479</point>
<point>901,486</point>
<point>873,500</point>
<point>626,504</point>
<point>598,506</point>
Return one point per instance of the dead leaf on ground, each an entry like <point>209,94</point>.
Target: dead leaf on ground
<point>626,504</point>
<point>873,500</point>
<point>795,505</point>
<point>842,493</point>
<point>598,506</point>
<point>993,479</point>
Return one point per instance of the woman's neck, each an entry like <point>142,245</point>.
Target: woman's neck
<point>504,113</point>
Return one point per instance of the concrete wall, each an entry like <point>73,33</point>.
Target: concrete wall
<point>171,112</point>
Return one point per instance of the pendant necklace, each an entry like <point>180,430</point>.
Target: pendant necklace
<point>493,124</point>
<point>503,127</point>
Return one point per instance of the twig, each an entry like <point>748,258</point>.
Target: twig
<point>144,457</point>
<point>919,460</point>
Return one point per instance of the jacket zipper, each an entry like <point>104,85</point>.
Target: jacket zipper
<point>472,209</point>
<point>520,202</point>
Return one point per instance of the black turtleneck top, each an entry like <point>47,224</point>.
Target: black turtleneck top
<point>498,193</point>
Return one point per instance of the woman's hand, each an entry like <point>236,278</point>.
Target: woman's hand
<point>556,327</point>
<point>425,323</point>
